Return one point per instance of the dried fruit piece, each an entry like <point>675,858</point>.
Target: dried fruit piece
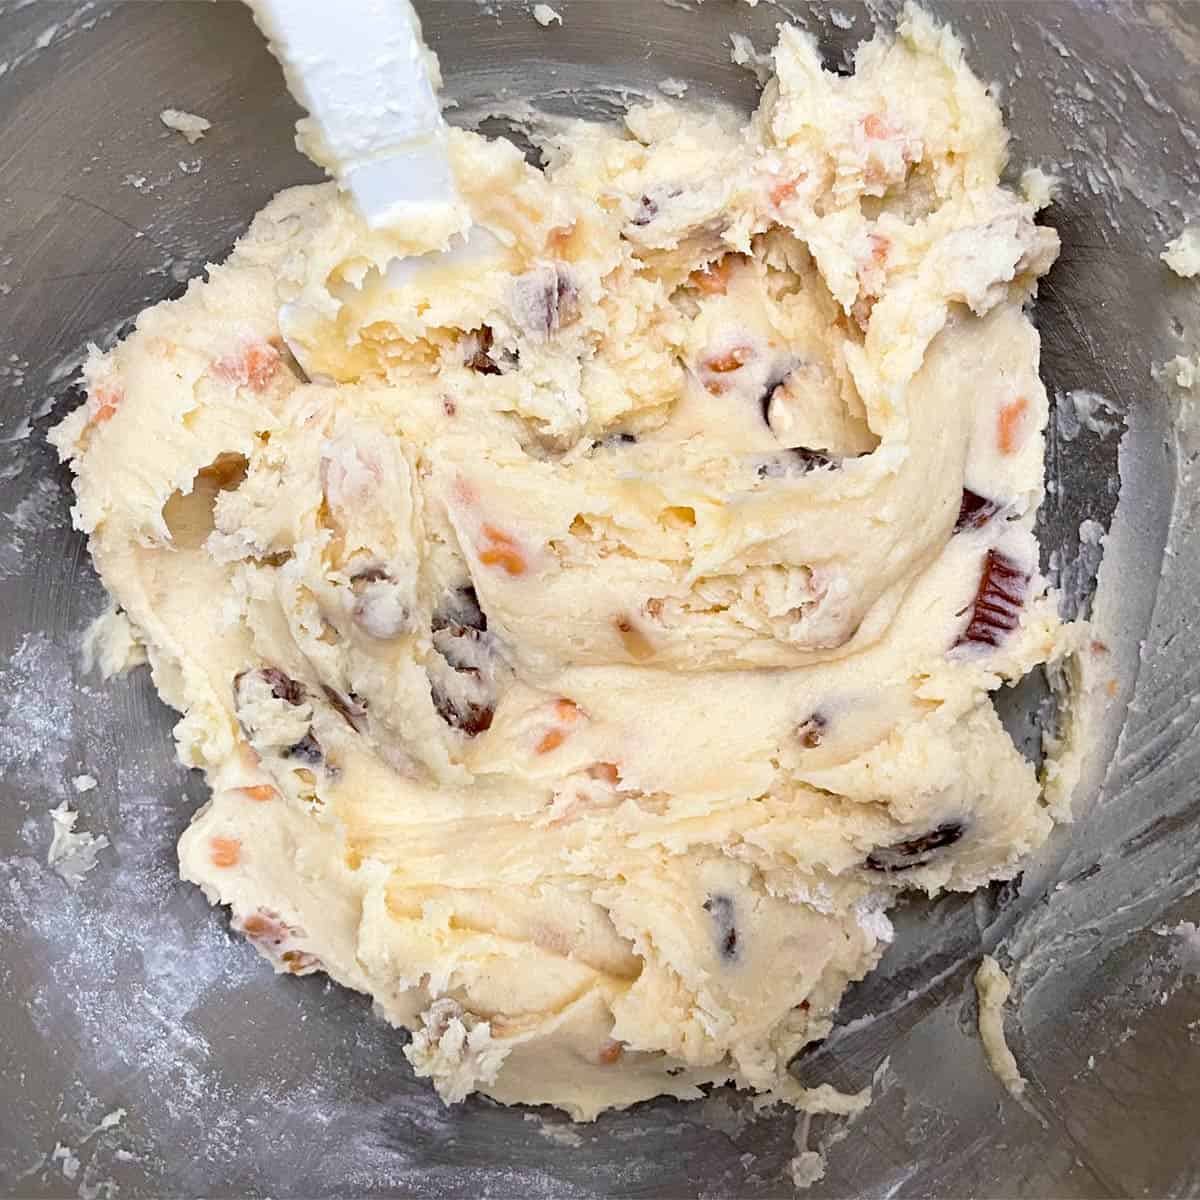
<point>730,360</point>
<point>478,356</point>
<point>605,772</point>
<point>259,791</point>
<point>469,717</point>
<point>611,1052</point>
<point>546,300</point>
<point>975,511</point>
<point>551,740</point>
<point>716,369</point>
<point>252,366</point>
<point>501,550</point>
<point>379,607</point>
<point>307,750</point>
<point>460,608</point>
<point>611,441</point>
<point>785,189</point>
<point>264,926</point>
<point>269,933</point>
<point>811,732</point>
<point>798,460</point>
<point>349,706</point>
<point>996,609</point>
<point>1008,426</point>
<point>300,962</point>
<point>225,852</point>
<point>646,211</point>
<point>720,908</point>
<point>462,686</point>
<point>915,852</point>
<point>283,686</point>
<point>105,400</point>
<point>713,280</point>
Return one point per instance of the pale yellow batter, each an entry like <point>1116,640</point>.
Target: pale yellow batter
<point>588,631</point>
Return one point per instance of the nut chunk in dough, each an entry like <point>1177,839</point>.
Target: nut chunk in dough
<point>587,629</point>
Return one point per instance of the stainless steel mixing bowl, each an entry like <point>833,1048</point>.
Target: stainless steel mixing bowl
<point>145,1052</point>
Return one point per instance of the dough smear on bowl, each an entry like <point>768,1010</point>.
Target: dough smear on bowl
<point>587,632</point>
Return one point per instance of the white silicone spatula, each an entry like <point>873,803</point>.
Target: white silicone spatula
<point>369,84</point>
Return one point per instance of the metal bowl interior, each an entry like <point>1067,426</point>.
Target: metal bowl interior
<point>147,1052</point>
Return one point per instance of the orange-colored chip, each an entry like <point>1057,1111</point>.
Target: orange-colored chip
<point>501,551</point>
<point>258,925</point>
<point>107,399</point>
<point>253,366</point>
<point>259,791</point>
<point>606,772</point>
<point>713,280</point>
<point>551,741</point>
<point>785,189</point>
<point>611,1052</point>
<point>498,535</point>
<point>503,556</point>
<point>225,852</point>
<point>731,360</point>
<point>1009,425</point>
<point>566,710</point>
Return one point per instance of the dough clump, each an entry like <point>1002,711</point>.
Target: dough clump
<point>588,629</point>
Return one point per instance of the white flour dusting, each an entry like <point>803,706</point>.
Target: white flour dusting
<point>72,854</point>
<point>188,124</point>
<point>544,15</point>
<point>35,707</point>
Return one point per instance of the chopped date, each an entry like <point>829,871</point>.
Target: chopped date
<point>479,357</point>
<point>915,852</point>
<point>368,575</point>
<point>283,686</point>
<point>975,511</point>
<point>461,608</point>
<point>811,732</point>
<point>264,926</point>
<point>300,962</point>
<point>720,908</point>
<point>650,205</point>
<point>307,750</point>
<point>996,609</point>
<point>461,686</point>
<point>469,717</point>
<point>798,460</point>
<point>349,706</point>
<point>646,211</point>
<point>546,300</point>
<point>612,440</point>
<point>768,394</point>
<point>379,606</point>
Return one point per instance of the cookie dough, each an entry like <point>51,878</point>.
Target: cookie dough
<point>992,988</point>
<point>588,628</point>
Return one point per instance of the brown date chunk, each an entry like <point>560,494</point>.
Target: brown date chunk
<point>996,609</point>
<point>915,852</point>
<point>975,511</point>
<point>720,908</point>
